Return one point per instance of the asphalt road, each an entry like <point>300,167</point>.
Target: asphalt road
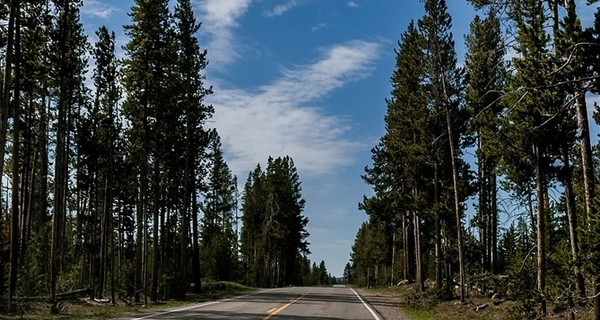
<point>293,303</point>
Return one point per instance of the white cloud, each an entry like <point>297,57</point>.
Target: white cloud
<point>275,119</point>
<point>280,9</point>
<point>219,18</point>
<point>318,27</point>
<point>98,9</point>
<point>352,4</point>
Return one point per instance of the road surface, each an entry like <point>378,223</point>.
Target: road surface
<point>293,303</point>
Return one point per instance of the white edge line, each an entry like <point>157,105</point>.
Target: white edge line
<point>204,304</point>
<point>375,316</point>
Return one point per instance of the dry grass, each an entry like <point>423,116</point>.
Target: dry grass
<point>85,308</point>
<point>425,306</point>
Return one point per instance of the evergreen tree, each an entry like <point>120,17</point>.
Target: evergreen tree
<point>402,161</point>
<point>150,109</point>
<point>529,124</point>
<point>69,46</point>
<point>273,240</point>
<point>190,65</point>
<point>107,96</point>
<point>444,83</point>
<point>253,208</point>
<point>218,236</point>
<point>485,73</point>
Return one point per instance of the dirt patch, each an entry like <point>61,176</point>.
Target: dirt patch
<point>386,303</point>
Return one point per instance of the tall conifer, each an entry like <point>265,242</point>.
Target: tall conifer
<point>444,81</point>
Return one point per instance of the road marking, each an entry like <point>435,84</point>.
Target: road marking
<point>375,316</point>
<point>193,306</point>
<point>278,310</point>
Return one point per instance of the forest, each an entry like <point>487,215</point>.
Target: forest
<point>117,185</point>
<point>485,179</point>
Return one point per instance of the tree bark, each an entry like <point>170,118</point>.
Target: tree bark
<point>572,221</point>
<point>196,272</point>
<point>405,249</point>
<point>155,240</point>
<point>418,257</point>
<point>15,243</point>
<point>457,211</point>
<point>7,82</point>
<point>438,231</point>
<point>540,226</point>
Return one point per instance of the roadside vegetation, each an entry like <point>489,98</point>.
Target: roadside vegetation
<point>426,306</point>
<point>86,308</point>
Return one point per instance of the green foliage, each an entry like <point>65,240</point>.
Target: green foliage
<point>273,238</point>
<point>4,255</point>
<point>370,253</point>
<point>217,232</point>
<point>33,274</point>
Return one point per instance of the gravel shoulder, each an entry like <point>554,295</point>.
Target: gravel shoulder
<point>386,304</point>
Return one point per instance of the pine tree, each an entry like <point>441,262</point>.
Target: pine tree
<point>190,65</point>
<point>34,82</point>
<point>273,240</point>
<point>107,96</point>
<point>401,161</point>
<point>69,47</point>
<point>532,106</point>
<point>218,237</point>
<point>485,70</point>
<point>147,82</point>
<point>444,85</point>
<point>253,208</point>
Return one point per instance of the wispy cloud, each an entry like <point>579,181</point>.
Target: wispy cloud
<point>97,9</point>
<point>352,4</point>
<point>219,19</point>
<point>318,27</point>
<point>280,9</point>
<point>281,118</point>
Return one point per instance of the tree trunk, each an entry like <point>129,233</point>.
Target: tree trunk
<point>196,272</point>
<point>406,249</point>
<point>540,226</point>
<point>572,221</point>
<point>494,208</point>
<point>483,213</point>
<point>139,242</point>
<point>457,211</point>
<point>393,255</point>
<point>418,257</point>
<point>155,240</point>
<point>438,231</point>
<point>7,83</point>
<point>60,172</point>
<point>15,244</point>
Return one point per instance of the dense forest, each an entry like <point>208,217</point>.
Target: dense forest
<point>485,180</point>
<point>117,185</point>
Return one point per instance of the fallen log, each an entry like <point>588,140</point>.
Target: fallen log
<point>69,295</point>
<point>481,307</point>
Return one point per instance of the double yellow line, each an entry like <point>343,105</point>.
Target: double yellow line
<point>275,311</point>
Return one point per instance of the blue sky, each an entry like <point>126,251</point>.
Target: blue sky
<point>304,78</point>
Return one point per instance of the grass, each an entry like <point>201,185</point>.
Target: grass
<point>87,309</point>
<point>425,306</point>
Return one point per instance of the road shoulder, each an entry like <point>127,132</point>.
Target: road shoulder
<point>386,304</point>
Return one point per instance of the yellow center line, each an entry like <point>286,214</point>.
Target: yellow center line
<point>274,311</point>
